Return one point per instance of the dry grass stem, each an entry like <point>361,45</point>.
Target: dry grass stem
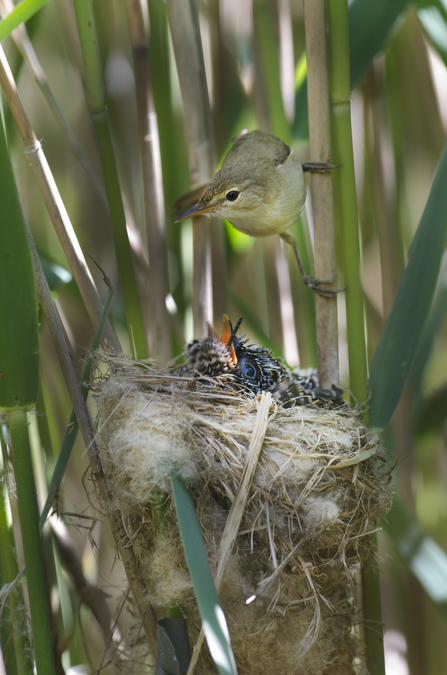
<point>321,183</point>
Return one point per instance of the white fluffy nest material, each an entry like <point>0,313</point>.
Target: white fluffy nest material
<point>319,485</point>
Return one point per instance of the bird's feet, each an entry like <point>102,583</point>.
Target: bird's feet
<point>311,282</point>
<point>319,167</point>
<point>315,285</point>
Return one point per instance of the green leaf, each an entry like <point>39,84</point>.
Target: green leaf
<point>24,11</point>
<point>370,25</point>
<point>173,652</point>
<point>213,619</point>
<point>395,352</point>
<point>421,553</point>
<point>431,332</point>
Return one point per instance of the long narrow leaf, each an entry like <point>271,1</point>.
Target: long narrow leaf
<point>24,11</point>
<point>431,332</point>
<point>214,624</point>
<point>370,24</point>
<point>403,329</point>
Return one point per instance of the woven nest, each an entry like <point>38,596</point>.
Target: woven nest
<point>318,489</point>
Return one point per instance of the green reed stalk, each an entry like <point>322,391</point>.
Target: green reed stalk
<point>343,154</point>
<point>19,366</point>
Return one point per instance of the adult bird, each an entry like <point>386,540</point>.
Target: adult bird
<point>260,190</point>
<point>254,369</point>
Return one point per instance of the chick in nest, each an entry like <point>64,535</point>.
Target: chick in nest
<point>255,369</point>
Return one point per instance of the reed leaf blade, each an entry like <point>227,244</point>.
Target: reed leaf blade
<point>395,352</point>
<point>214,624</point>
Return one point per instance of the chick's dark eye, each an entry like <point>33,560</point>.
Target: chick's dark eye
<point>249,371</point>
<point>232,195</point>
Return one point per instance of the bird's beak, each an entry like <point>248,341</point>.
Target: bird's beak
<point>225,338</point>
<point>198,210</point>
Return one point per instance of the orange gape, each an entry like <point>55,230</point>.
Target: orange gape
<point>225,339</point>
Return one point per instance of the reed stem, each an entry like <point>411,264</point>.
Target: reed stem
<point>341,93</point>
<point>321,184</point>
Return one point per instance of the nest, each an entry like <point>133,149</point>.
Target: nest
<point>319,485</point>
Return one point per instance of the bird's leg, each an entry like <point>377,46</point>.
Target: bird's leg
<point>310,282</point>
<point>319,167</point>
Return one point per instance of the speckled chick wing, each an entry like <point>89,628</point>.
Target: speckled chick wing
<point>260,188</point>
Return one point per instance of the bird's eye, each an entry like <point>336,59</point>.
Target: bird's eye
<point>249,371</point>
<point>232,195</point>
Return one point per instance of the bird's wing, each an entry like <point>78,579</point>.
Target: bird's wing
<point>248,149</point>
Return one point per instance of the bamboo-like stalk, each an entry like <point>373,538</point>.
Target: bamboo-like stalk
<point>98,108</point>
<point>341,92</point>
<point>160,345</point>
<point>74,389</point>
<point>185,30</point>
<point>29,524</point>
<point>343,155</point>
<point>54,204</point>
<point>321,183</point>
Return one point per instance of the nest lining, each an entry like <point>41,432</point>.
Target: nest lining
<point>320,484</point>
